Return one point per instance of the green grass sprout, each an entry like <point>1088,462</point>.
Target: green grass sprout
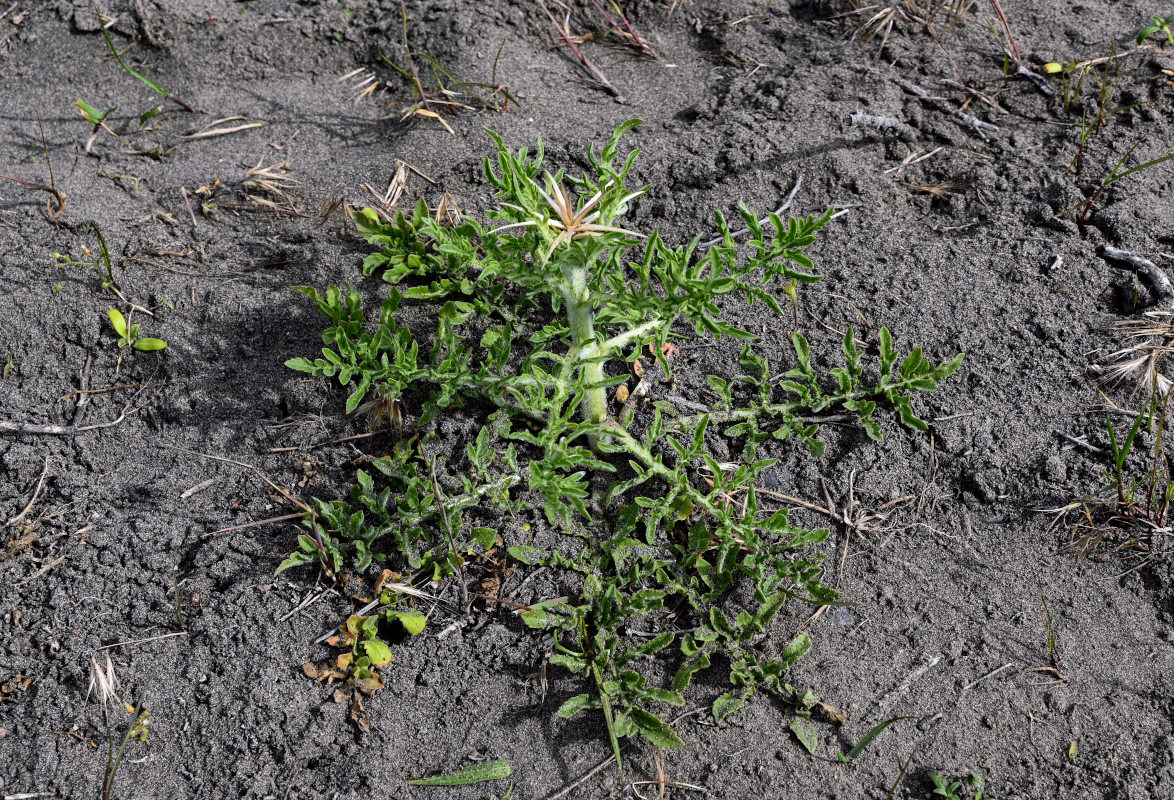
<point>143,78</point>
<point>868,737</point>
<point>1161,25</point>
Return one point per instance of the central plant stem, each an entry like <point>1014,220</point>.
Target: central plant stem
<point>586,348</point>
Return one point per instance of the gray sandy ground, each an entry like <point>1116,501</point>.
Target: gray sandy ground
<point>736,110</point>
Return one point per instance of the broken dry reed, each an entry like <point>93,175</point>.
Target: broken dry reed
<point>209,131</point>
<point>55,192</point>
<point>939,103</point>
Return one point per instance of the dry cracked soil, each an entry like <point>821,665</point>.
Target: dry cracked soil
<point>954,237</point>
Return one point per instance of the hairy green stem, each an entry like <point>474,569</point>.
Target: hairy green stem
<point>793,407</point>
<point>583,345</point>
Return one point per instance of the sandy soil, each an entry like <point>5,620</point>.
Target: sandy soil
<point>960,251</point>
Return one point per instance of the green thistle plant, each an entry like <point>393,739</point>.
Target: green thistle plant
<point>539,311</point>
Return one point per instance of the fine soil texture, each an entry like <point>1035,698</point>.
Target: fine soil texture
<point>979,198</point>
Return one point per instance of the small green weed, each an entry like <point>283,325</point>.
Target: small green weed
<point>1161,25</point>
<point>152,112</point>
<point>96,118</point>
<point>100,263</point>
<point>541,311</point>
<point>1096,109</point>
<point>943,788</point>
<point>128,335</point>
<point>1115,174</point>
<point>1130,509</point>
<point>867,740</point>
<point>1053,649</point>
<point>477,773</point>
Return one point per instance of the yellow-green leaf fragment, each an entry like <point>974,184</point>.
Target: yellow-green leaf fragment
<point>378,652</point>
<point>117,321</point>
<point>149,344</point>
<point>806,733</point>
<point>413,621</point>
<point>475,773</point>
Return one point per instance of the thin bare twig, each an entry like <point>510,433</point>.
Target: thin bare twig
<point>968,120</point>
<point>121,386</point>
<point>141,641</point>
<point>309,601</point>
<point>48,565</point>
<point>990,674</point>
<point>886,703</point>
<point>306,509</point>
<point>19,428</point>
<point>33,499</point>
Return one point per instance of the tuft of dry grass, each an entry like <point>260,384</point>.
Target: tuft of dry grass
<point>1144,343</point>
<point>883,17</point>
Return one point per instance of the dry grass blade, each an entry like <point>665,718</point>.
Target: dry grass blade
<point>362,83</point>
<point>1146,342</point>
<point>564,32</point>
<point>104,684</point>
<point>624,30</point>
<point>272,182</point>
<point>208,130</point>
<point>935,189</point>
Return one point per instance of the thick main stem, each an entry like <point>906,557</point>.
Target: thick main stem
<point>587,350</point>
<point>584,345</point>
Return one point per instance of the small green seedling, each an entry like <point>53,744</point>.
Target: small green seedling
<point>943,788</point>
<point>92,115</point>
<point>96,118</point>
<point>475,773</point>
<point>1050,626</point>
<point>101,264</point>
<point>1114,175</point>
<point>1130,506</point>
<point>867,740</point>
<point>8,365</point>
<point>129,335</point>
<point>1161,25</point>
<point>102,23</point>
